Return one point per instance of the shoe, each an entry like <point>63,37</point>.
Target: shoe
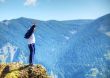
<point>30,64</point>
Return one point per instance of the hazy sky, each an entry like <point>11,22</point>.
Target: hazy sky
<point>54,9</point>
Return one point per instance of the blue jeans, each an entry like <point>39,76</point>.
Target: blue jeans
<point>32,53</point>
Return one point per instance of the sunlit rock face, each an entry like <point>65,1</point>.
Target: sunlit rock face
<point>11,53</point>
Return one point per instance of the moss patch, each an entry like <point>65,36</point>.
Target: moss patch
<point>19,70</point>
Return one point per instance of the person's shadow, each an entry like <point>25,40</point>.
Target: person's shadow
<point>22,68</point>
<point>6,70</point>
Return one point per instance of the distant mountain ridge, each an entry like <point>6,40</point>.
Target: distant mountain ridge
<point>80,47</point>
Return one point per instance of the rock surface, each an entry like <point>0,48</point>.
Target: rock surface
<point>19,70</point>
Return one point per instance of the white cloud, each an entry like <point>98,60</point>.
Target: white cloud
<point>30,2</point>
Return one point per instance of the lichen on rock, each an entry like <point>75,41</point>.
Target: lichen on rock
<point>19,70</point>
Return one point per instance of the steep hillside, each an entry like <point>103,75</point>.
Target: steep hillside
<point>81,47</point>
<point>88,53</point>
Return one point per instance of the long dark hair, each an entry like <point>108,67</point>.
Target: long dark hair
<point>30,31</point>
<point>32,28</point>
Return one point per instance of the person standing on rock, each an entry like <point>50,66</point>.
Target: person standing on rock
<point>31,43</point>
